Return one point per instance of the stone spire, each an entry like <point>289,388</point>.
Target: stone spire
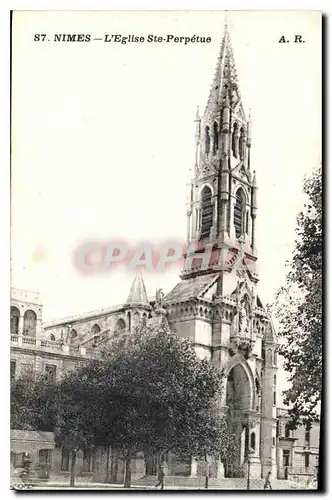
<point>137,294</point>
<point>225,81</point>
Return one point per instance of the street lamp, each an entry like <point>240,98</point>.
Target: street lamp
<point>250,452</point>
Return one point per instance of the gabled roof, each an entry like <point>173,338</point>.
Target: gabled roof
<point>190,289</point>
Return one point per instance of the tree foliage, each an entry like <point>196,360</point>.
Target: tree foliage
<point>32,404</point>
<point>299,309</point>
<point>156,396</point>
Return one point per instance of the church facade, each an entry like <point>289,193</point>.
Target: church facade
<point>215,304</point>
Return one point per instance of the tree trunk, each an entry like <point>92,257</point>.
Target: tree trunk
<point>127,471</point>
<point>107,478</point>
<point>207,473</point>
<point>114,466</point>
<point>72,469</point>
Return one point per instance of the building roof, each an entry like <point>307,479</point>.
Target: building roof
<point>82,316</point>
<point>137,293</point>
<point>190,289</point>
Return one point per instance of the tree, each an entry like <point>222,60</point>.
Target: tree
<point>299,309</point>
<point>32,402</point>
<point>153,394</point>
<point>76,418</point>
<point>63,408</point>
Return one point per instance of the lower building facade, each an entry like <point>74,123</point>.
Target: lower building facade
<point>298,449</point>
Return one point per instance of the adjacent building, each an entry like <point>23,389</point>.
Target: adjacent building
<point>297,450</point>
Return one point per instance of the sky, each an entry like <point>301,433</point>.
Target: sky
<point>103,139</point>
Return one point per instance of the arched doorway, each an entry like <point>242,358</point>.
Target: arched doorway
<point>239,399</point>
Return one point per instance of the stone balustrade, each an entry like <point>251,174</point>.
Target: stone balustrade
<point>50,346</point>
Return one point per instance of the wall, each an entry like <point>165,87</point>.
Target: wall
<point>185,329</point>
<point>203,332</point>
<point>38,359</point>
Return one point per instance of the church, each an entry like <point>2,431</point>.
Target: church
<point>215,304</point>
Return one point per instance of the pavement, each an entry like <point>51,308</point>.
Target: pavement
<point>107,486</point>
<point>223,484</point>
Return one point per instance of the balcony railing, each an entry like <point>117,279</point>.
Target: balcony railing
<point>29,340</point>
<point>52,346</point>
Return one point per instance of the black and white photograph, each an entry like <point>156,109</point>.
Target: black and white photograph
<point>166,250</point>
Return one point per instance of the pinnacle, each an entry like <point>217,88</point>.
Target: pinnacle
<point>137,293</point>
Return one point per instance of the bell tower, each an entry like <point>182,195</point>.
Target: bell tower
<point>216,304</point>
<point>222,201</point>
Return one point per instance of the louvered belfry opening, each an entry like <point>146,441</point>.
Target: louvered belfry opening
<point>207,140</point>
<point>239,212</point>
<point>207,212</point>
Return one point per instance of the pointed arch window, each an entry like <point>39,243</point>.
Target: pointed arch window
<point>235,140</point>
<point>73,334</point>
<point>253,441</point>
<point>215,137</point>
<point>207,212</point>
<point>95,329</point>
<point>207,140</point>
<point>120,326</point>
<point>241,143</point>
<point>129,320</point>
<point>239,212</point>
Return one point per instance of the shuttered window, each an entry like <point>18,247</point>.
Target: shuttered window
<point>239,213</point>
<point>207,212</point>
